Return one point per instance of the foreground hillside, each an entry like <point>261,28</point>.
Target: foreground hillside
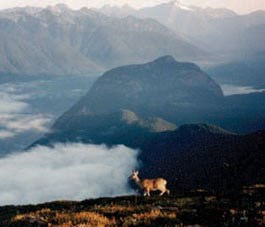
<point>193,155</point>
<point>200,209</point>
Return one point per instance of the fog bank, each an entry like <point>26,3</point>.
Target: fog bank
<point>65,172</point>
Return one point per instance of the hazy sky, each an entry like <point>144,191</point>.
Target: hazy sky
<point>241,6</point>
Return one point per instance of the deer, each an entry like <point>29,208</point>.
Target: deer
<point>147,185</point>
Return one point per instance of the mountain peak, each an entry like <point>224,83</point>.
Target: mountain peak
<point>170,61</point>
<point>180,5</point>
<point>166,59</point>
<point>148,88</point>
<point>58,8</point>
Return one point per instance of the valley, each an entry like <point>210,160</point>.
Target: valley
<point>172,90</point>
<point>29,108</point>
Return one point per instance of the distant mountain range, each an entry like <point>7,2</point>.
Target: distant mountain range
<point>60,41</point>
<point>143,106</point>
<point>220,31</point>
<point>242,7</point>
<point>245,72</point>
<point>235,42</point>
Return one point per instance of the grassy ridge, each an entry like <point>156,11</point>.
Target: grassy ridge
<point>200,209</point>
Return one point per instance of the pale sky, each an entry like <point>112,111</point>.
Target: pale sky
<point>240,6</point>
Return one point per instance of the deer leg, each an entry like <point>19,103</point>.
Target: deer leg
<point>162,192</point>
<point>145,193</point>
<point>148,192</point>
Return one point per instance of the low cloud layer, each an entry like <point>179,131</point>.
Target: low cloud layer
<point>65,172</point>
<point>239,90</point>
<point>16,115</point>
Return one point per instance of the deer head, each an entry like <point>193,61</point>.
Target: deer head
<point>134,175</point>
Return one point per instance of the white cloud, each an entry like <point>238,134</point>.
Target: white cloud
<point>16,115</point>
<point>6,134</point>
<point>66,172</point>
<point>11,103</point>
<point>239,90</point>
<point>26,123</point>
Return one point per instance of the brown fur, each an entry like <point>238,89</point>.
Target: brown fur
<point>156,184</point>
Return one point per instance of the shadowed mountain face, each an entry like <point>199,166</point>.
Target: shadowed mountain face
<point>205,156</point>
<point>121,127</point>
<point>61,41</point>
<point>119,119</point>
<point>177,92</point>
<point>158,88</point>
